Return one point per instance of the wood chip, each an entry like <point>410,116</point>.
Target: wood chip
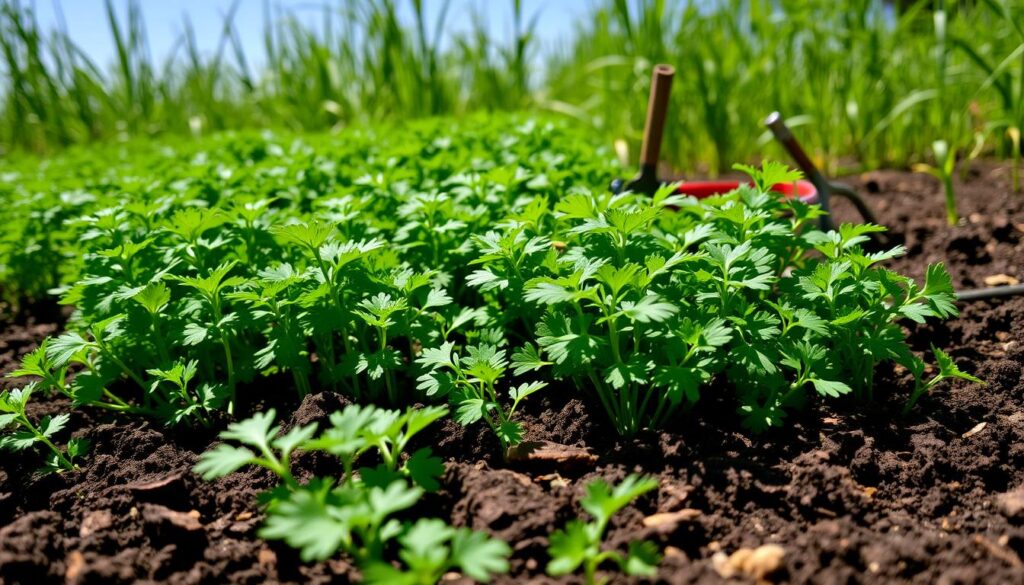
<point>1001,280</point>
<point>243,516</point>
<point>75,564</point>
<point>869,492</point>
<point>155,484</point>
<point>1011,503</point>
<point>672,552</point>
<point>553,479</point>
<point>551,453</point>
<point>975,430</point>
<point>1006,555</point>
<point>96,521</point>
<point>757,563</point>
<point>266,557</point>
<point>162,515</point>
<point>672,518</point>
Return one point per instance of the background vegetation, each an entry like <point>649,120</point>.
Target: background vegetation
<point>865,82</point>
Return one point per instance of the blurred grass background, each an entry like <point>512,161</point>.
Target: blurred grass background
<point>864,83</point>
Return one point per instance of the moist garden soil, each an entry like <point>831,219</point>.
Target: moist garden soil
<point>851,493</point>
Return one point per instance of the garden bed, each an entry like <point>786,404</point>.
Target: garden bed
<point>851,494</point>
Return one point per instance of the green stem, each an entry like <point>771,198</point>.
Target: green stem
<point>951,215</point>
<point>124,368</point>
<point>64,461</point>
<point>218,316</point>
<point>161,347</point>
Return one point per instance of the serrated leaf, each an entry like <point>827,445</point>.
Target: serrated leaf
<point>257,431</point>
<point>6,420</point>
<point>394,498</point>
<point>18,441</point>
<point>424,469</point>
<point>471,410</point>
<point>34,363</point>
<point>223,460</point>
<point>916,312</point>
<point>478,555</point>
<point>294,439</point>
<point>380,476</point>
<point>569,548</point>
<point>77,447</point>
<point>602,501</point>
<point>548,293</point>
<point>65,347</point>
<point>195,334</point>
<point>649,309</point>
<point>523,390</point>
<point>416,419</point>
<point>642,559</point>
<point>510,432</point>
<point>424,544</point>
<point>831,388</point>
<point>437,298</point>
<point>949,369</point>
<point>486,280</point>
<point>153,297</point>
<point>50,426</point>
<point>305,521</point>
<point>527,359</point>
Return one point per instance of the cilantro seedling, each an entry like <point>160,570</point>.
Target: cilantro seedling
<point>26,434</point>
<point>354,514</point>
<point>181,403</point>
<point>211,288</point>
<point>948,370</point>
<point>580,543</point>
<point>470,382</point>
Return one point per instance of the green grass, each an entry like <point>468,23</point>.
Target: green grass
<point>861,82</point>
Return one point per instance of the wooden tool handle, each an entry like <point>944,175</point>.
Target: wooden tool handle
<point>657,109</point>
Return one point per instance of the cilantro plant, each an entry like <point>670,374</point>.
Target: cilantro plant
<point>947,370</point>
<point>440,264</point>
<point>20,433</point>
<point>470,381</point>
<point>579,544</point>
<point>653,298</point>
<point>327,263</point>
<point>355,513</point>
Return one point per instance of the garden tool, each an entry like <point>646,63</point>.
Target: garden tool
<point>647,181</point>
<point>825,187</point>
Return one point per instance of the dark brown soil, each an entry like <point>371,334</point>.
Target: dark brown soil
<point>851,494</point>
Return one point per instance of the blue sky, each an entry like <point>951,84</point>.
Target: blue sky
<point>87,22</point>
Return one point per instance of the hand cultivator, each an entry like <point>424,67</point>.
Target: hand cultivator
<point>816,189</point>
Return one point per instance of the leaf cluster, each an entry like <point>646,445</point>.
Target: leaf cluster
<point>580,543</point>
<point>356,513</point>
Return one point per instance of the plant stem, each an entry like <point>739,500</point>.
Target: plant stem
<point>951,215</point>
<point>64,462</point>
